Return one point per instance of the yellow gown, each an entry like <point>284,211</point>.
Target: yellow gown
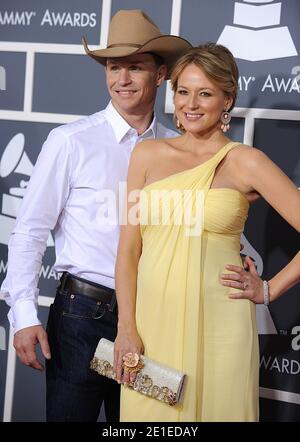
<point>183,313</point>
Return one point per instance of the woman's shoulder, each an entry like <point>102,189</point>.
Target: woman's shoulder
<point>244,152</point>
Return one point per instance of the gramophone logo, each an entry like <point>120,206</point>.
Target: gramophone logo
<point>14,161</point>
<point>257,34</point>
<point>265,323</point>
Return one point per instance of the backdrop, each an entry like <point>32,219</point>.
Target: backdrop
<point>46,80</point>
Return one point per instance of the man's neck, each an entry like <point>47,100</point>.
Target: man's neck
<point>137,121</point>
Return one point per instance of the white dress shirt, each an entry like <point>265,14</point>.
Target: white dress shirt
<point>65,194</point>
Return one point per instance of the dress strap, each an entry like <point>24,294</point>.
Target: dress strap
<point>225,149</point>
<point>215,161</point>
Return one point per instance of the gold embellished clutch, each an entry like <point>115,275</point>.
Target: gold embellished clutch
<point>153,379</point>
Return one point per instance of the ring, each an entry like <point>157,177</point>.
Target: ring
<point>131,360</point>
<point>132,363</point>
<point>245,285</point>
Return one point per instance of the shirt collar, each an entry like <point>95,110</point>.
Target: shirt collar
<point>121,128</point>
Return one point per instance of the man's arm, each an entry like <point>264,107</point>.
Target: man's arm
<point>44,200</point>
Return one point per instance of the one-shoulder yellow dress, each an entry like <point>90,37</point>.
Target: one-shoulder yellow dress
<point>183,313</point>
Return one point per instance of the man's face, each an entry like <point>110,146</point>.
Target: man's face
<point>132,83</point>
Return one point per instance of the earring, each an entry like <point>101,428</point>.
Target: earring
<point>178,124</point>
<point>225,120</point>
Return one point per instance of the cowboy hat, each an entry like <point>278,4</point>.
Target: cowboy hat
<point>133,32</point>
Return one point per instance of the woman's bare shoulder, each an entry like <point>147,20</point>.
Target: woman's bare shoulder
<point>243,152</point>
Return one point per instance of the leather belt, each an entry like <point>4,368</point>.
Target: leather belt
<point>75,285</point>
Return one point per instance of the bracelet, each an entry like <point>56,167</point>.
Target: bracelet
<point>266,293</point>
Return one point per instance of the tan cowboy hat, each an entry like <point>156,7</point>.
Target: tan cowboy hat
<point>133,32</point>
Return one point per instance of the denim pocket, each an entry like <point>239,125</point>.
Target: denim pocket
<point>82,307</point>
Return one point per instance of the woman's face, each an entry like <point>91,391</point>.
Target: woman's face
<point>199,103</point>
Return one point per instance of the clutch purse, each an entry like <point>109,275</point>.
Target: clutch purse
<point>153,379</point>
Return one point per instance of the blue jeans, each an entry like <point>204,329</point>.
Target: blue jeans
<point>74,392</point>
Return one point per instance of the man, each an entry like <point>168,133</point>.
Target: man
<point>78,164</point>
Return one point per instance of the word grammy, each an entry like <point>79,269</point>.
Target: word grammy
<point>49,18</point>
<point>244,82</point>
<point>15,18</point>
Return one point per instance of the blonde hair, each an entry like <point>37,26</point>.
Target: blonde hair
<point>218,64</point>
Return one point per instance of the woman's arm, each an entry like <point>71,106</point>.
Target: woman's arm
<point>285,279</point>
<point>263,176</point>
<point>129,251</point>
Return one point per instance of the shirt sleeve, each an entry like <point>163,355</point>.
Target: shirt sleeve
<point>43,202</point>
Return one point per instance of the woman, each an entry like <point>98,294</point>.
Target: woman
<point>172,302</point>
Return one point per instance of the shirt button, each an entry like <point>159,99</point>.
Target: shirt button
<point>72,296</point>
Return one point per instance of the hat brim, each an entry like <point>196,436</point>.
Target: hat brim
<point>169,47</point>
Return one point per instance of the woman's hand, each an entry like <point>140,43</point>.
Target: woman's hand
<point>127,341</point>
<point>249,282</point>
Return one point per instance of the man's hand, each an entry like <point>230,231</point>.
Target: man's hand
<point>25,341</point>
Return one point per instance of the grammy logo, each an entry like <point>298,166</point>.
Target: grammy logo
<point>257,34</point>
<point>14,161</point>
